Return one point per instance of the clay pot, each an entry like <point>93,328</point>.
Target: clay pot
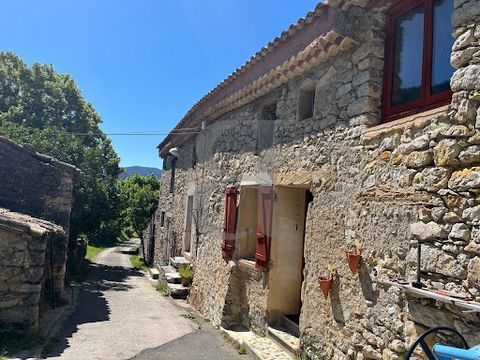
<point>353,257</point>
<point>325,283</point>
<point>186,281</point>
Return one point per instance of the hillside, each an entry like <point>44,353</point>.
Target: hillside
<point>140,170</point>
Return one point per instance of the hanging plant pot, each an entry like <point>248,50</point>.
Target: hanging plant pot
<point>353,257</point>
<point>325,284</point>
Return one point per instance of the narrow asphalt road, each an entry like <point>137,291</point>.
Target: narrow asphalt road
<point>121,316</point>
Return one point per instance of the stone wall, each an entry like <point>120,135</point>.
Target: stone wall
<point>24,266</point>
<point>36,184</point>
<point>42,187</point>
<point>392,186</point>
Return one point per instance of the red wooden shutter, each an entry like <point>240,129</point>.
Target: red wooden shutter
<point>229,223</point>
<point>264,227</point>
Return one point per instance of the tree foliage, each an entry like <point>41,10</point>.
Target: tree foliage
<point>43,108</point>
<point>139,196</point>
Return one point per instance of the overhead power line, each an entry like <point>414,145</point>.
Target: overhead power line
<point>185,131</point>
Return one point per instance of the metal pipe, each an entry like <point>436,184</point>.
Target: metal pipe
<point>419,258</point>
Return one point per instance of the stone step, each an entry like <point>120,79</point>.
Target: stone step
<point>178,290</point>
<point>284,338</point>
<point>173,277</point>
<point>167,269</point>
<point>154,273</point>
<point>176,261</point>
<point>259,347</point>
<point>290,325</point>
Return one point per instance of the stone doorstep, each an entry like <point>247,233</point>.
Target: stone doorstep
<point>283,338</point>
<point>290,326</point>
<point>178,290</point>
<point>173,277</point>
<point>176,261</point>
<point>261,348</point>
<point>166,269</point>
<point>154,273</point>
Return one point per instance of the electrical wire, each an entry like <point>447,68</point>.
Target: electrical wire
<point>184,131</point>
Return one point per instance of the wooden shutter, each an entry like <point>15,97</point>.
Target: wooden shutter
<point>229,223</point>
<point>264,227</point>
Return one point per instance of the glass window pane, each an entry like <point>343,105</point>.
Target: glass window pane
<point>408,57</point>
<point>442,46</point>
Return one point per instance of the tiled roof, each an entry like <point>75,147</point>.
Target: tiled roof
<point>345,4</point>
<point>27,224</point>
<point>368,4</point>
<point>304,45</point>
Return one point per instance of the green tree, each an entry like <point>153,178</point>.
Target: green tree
<point>139,196</point>
<point>43,108</point>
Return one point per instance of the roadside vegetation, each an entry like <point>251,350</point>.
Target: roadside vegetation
<point>138,263</point>
<point>162,288</point>
<point>139,198</point>
<point>46,110</point>
<point>93,251</point>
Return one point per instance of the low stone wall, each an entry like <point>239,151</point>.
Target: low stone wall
<point>24,243</point>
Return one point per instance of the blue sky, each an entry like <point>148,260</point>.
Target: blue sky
<point>143,63</point>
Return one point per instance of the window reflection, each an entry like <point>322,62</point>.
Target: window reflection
<point>408,57</point>
<point>442,46</point>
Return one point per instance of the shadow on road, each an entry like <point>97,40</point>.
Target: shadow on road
<point>91,304</point>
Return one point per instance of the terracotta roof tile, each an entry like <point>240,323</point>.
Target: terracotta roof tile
<point>280,60</point>
<point>24,223</point>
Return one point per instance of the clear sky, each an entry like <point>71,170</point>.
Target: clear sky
<point>143,63</point>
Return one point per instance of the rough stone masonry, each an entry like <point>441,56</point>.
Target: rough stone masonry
<point>24,268</point>
<point>392,186</point>
<point>32,187</point>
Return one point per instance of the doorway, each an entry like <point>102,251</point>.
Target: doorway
<point>287,254</point>
<point>187,235</point>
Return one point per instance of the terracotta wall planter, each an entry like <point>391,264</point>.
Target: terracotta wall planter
<point>325,283</point>
<point>186,281</point>
<point>353,257</point>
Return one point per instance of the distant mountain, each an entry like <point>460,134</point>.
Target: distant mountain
<point>140,170</point>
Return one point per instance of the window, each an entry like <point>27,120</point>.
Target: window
<point>194,156</point>
<point>162,219</point>
<point>306,102</point>
<point>269,112</point>
<point>266,127</point>
<point>172,176</point>
<point>417,62</point>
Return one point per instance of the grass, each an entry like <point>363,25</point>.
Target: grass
<point>162,288</point>
<point>242,350</point>
<point>137,263</point>
<point>192,317</point>
<point>300,355</point>
<point>15,340</point>
<point>235,344</point>
<point>93,251</point>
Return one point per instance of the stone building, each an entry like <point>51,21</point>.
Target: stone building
<point>37,190</point>
<point>359,126</point>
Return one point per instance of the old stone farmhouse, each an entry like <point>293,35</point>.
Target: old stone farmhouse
<point>36,197</point>
<point>358,127</point>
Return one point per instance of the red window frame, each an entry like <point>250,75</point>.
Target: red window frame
<point>427,101</point>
